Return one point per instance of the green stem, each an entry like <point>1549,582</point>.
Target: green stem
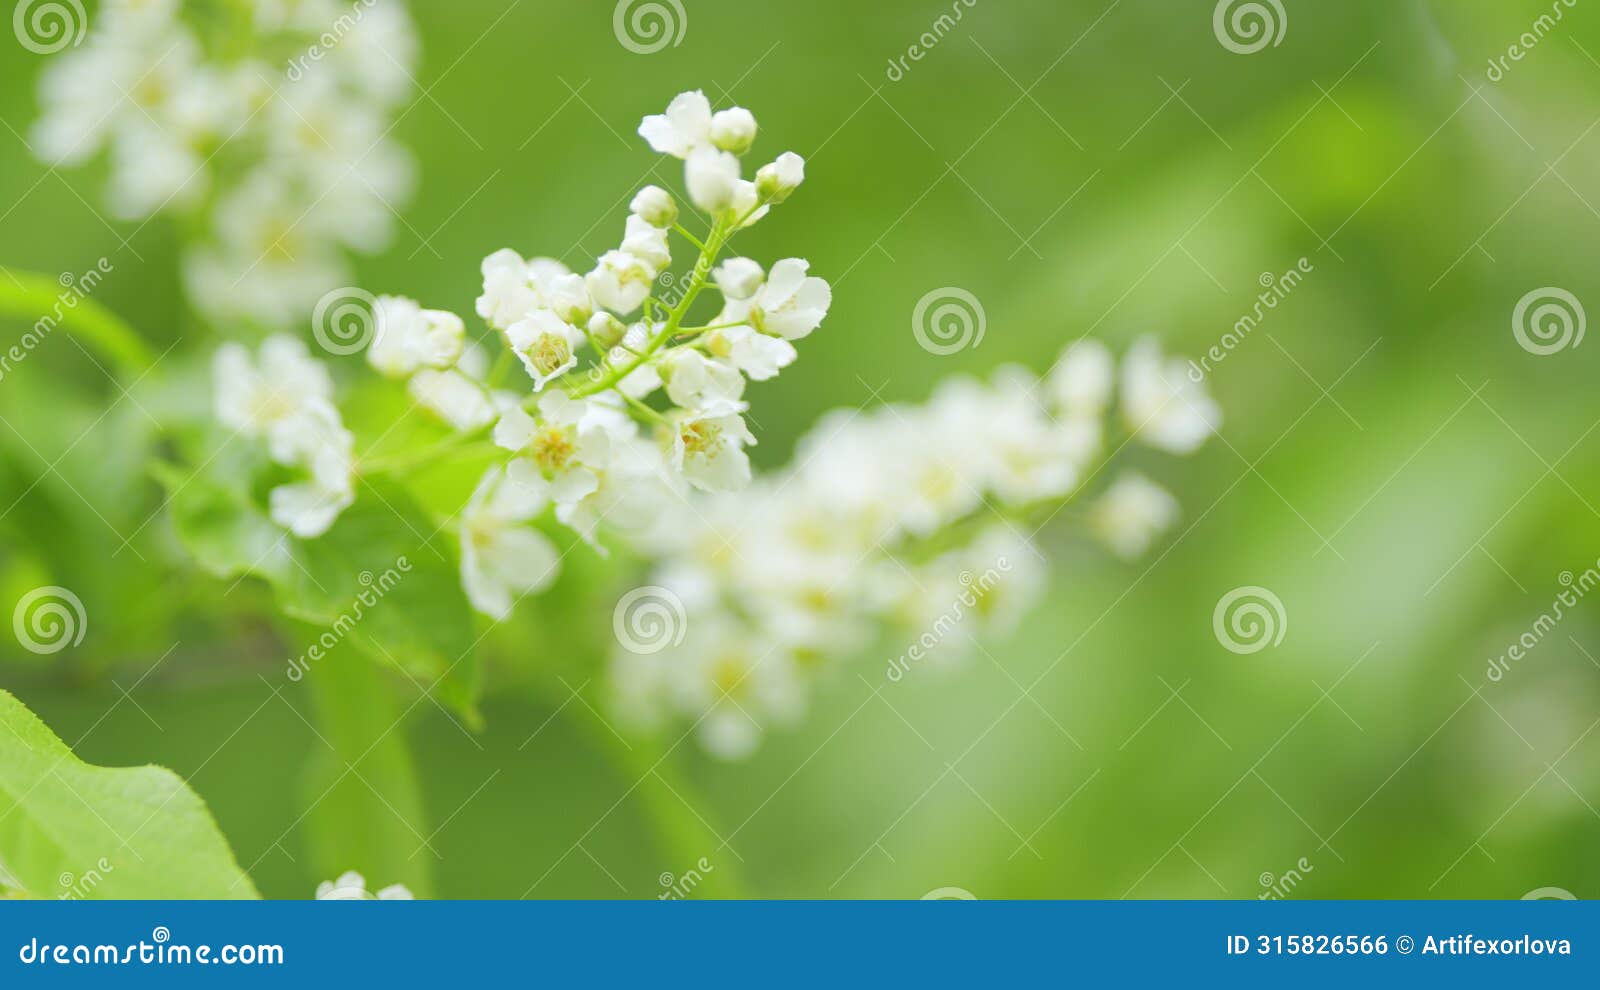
<point>720,233</point>
<point>456,443</point>
<point>44,299</point>
<point>680,828</point>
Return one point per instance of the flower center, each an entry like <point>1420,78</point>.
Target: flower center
<point>701,438</point>
<point>549,353</point>
<point>553,447</point>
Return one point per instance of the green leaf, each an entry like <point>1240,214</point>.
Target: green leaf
<point>68,828</point>
<point>382,578</point>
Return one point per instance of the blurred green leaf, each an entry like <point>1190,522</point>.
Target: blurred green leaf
<point>68,828</point>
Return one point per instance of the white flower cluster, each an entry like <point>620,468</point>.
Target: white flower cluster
<point>236,115</point>
<point>352,886</point>
<point>906,524</point>
<point>285,397</point>
<point>626,406</point>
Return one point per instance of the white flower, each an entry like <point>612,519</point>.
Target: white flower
<point>759,356</point>
<point>747,204</point>
<point>709,451</point>
<point>621,281</point>
<point>566,294</point>
<point>1030,457</point>
<point>1132,513</point>
<point>732,683</point>
<point>352,886</point>
<point>791,304</point>
<point>408,337</point>
<point>256,397</point>
<point>712,178</point>
<point>1080,383</point>
<point>313,439</point>
<point>655,206</point>
<point>733,130</point>
<point>738,278</point>
<point>513,288</point>
<point>545,344</point>
<point>703,385</point>
<point>454,396</point>
<point>774,182</point>
<point>502,557</point>
<point>1003,573</point>
<point>562,449</point>
<point>647,242</point>
<point>684,127</point>
<point>1161,405</point>
<point>508,294</point>
<point>644,379</point>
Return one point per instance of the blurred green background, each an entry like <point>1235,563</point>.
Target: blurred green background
<point>1406,478</point>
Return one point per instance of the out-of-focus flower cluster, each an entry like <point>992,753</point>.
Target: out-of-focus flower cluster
<point>352,886</point>
<point>624,406</point>
<point>261,123</point>
<point>905,526</point>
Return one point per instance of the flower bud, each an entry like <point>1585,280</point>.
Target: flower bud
<point>713,179</point>
<point>776,181</point>
<point>607,330</point>
<point>733,130</point>
<point>738,278</point>
<point>655,206</point>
